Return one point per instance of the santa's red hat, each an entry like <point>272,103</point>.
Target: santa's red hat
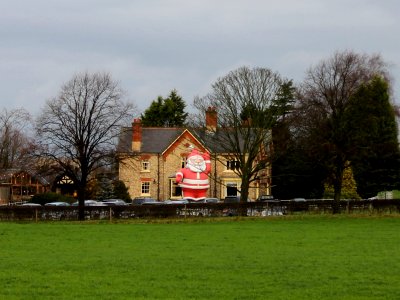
<point>194,152</point>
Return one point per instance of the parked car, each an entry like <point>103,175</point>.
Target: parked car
<point>234,199</point>
<point>57,204</point>
<point>114,202</point>
<point>267,198</point>
<point>144,200</point>
<point>31,204</point>
<point>205,200</point>
<point>299,199</point>
<point>211,200</point>
<point>89,203</point>
<point>183,201</point>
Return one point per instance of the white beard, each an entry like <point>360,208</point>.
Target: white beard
<point>197,168</point>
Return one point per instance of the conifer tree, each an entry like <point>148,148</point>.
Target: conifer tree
<point>168,112</point>
<point>152,116</point>
<point>349,187</point>
<point>377,163</point>
<point>121,191</point>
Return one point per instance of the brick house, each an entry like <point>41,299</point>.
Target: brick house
<point>150,157</point>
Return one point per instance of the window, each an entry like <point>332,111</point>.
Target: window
<point>232,165</point>
<point>231,189</point>
<point>65,180</point>
<point>176,191</point>
<point>145,188</point>
<point>145,165</point>
<point>183,162</point>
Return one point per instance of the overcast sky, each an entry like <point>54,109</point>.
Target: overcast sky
<point>154,46</point>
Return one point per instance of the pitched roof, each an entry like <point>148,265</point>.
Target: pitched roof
<point>6,174</point>
<point>154,139</point>
<point>158,139</point>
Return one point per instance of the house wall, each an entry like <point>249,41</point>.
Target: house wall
<point>132,174</point>
<point>164,167</point>
<point>225,177</point>
<point>4,194</point>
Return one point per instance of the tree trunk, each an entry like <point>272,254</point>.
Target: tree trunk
<point>244,195</point>
<point>81,203</point>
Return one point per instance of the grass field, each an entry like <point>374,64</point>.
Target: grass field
<point>394,194</point>
<point>310,257</point>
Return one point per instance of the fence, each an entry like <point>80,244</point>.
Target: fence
<point>256,209</point>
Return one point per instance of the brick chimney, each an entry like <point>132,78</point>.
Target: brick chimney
<point>211,119</point>
<point>136,135</point>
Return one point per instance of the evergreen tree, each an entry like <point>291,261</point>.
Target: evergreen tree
<point>168,112</point>
<point>294,172</point>
<point>104,188</point>
<point>283,105</point>
<point>121,191</point>
<point>174,110</point>
<point>276,114</point>
<point>153,116</point>
<point>377,163</point>
<point>349,188</point>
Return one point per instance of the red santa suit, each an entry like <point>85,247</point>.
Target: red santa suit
<point>193,179</point>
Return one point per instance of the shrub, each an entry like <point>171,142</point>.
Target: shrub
<point>51,197</point>
<point>121,191</point>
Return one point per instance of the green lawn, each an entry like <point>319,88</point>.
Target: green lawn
<point>395,194</point>
<point>310,257</point>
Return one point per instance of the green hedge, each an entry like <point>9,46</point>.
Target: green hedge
<point>51,197</point>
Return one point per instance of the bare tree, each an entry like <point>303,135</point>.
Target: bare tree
<point>78,128</point>
<point>245,100</point>
<point>14,138</point>
<point>324,100</point>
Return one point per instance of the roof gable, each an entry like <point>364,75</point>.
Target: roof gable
<point>186,135</point>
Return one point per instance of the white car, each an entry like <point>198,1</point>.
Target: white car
<point>183,201</point>
<point>113,202</point>
<point>90,203</point>
<point>57,204</point>
<point>211,200</point>
<point>31,204</point>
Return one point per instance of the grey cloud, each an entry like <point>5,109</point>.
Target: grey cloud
<point>153,46</point>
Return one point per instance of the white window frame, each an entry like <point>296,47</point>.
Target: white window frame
<point>145,188</point>
<point>231,183</point>
<point>145,166</point>
<point>173,185</point>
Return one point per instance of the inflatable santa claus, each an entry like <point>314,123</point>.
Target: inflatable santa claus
<point>193,179</point>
